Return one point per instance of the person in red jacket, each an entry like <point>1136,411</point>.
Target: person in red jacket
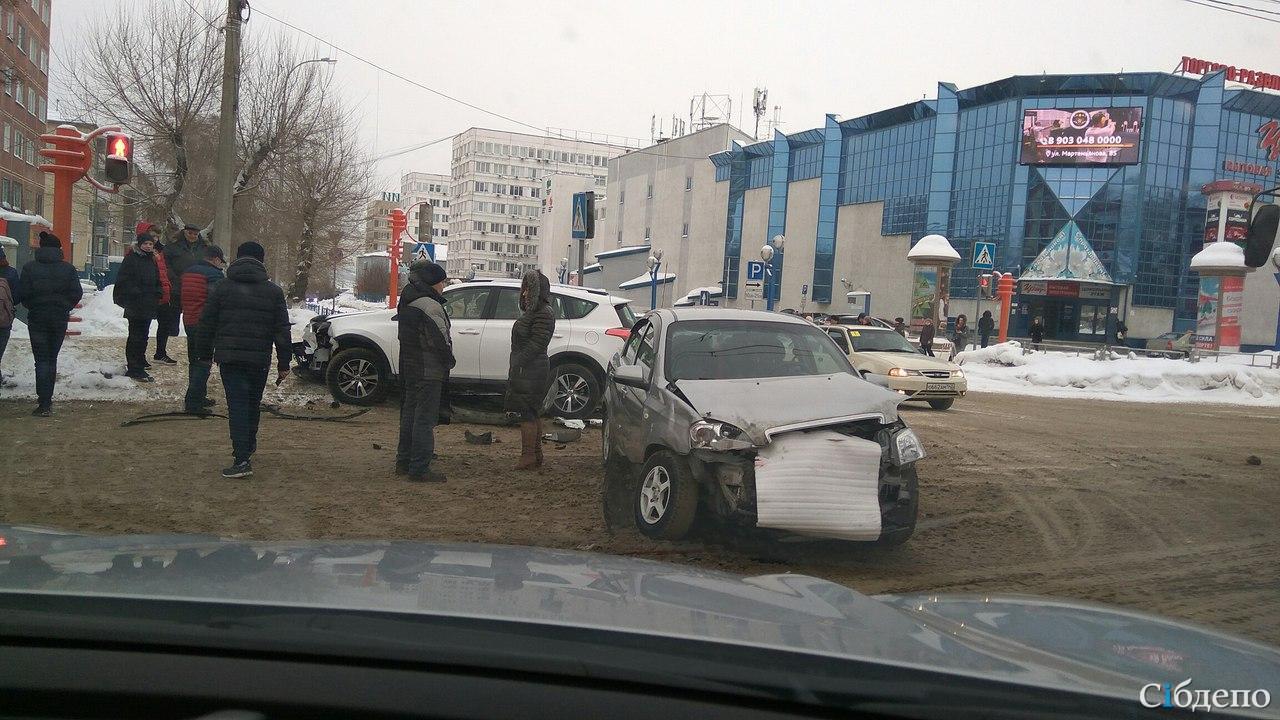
<point>197,284</point>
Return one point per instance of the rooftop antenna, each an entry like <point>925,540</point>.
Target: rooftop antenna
<point>759,106</point>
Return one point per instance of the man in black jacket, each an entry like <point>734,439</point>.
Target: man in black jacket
<point>180,254</point>
<point>426,357</point>
<point>244,316</point>
<point>50,289</point>
<point>138,289</point>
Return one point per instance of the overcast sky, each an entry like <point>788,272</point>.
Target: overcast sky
<point>607,67</point>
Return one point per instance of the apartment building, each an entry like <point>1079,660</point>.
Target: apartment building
<point>24,54</point>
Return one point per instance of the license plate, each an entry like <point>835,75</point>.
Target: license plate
<point>938,386</point>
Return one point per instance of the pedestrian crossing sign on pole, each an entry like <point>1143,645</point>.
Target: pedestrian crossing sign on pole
<point>584,215</point>
<point>422,251</point>
<point>984,255</point>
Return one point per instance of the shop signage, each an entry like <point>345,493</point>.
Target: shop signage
<point>1269,135</point>
<point>1095,292</point>
<point>1246,168</point>
<point>1064,289</point>
<point>1061,288</point>
<point>1196,66</point>
<point>1229,325</point>
<point>1033,287</point>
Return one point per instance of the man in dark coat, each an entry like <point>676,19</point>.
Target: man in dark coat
<point>926,337</point>
<point>50,289</point>
<point>180,254</point>
<point>199,280</point>
<point>243,318</point>
<point>138,289</point>
<point>1036,331</point>
<point>986,326</point>
<point>529,372</point>
<point>426,357</point>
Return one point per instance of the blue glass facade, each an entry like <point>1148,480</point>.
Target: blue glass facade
<point>951,166</point>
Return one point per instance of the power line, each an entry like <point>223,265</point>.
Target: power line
<point>446,96</point>
<point>1246,7</point>
<point>1235,12</point>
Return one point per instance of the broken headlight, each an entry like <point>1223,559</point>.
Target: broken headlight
<point>905,447</point>
<point>715,435</point>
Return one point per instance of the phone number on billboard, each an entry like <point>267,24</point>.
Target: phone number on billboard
<point>1084,140</point>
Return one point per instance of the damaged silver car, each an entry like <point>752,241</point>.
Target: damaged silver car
<point>758,419</point>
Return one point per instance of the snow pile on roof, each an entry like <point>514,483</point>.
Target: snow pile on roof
<point>642,280</point>
<point>1002,368</point>
<point>626,250</point>
<point>12,216</point>
<point>1218,255</point>
<point>932,247</point>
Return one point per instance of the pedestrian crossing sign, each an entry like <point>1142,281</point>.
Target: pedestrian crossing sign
<point>422,251</point>
<point>984,255</point>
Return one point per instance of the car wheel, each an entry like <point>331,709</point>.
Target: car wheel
<point>942,404</point>
<point>899,524</point>
<point>574,393</point>
<point>358,376</point>
<point>666,498</point>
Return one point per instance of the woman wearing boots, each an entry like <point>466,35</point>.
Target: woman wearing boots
<point>529,375</point>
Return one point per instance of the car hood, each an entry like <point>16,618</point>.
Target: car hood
<point>759,405</point>
<point>1034,641</point>
<point>881,361</point>
<point>340,318</point>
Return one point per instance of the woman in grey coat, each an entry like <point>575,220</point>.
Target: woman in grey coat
<point>529,375</point>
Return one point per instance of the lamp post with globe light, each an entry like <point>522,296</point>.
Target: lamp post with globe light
<point>655,264</point>
<point>766,254</point>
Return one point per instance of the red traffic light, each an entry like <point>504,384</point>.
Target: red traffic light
<point>982,281</point>
<point>117,166</point>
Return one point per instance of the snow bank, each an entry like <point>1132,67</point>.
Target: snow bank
<point>83,374</point>
<point>100,317</point>
<point>1003,368</point>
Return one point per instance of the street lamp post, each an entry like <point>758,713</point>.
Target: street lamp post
<point>766,254</point>
<point>284,101</point>
<point>655,264</point>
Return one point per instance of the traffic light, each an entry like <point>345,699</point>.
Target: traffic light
<point>117,167</point>
<point>424,223</point>
<point>984,286</point>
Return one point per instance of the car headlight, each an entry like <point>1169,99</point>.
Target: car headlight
<point>957,373</point>
<point>715,435</point>
<point>906,447</point>
<point>902,372</point>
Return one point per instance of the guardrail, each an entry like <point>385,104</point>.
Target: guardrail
<point>1102,351</point>
<point>1255,359</point>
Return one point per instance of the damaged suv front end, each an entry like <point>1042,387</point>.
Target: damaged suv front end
<point>758,420</point>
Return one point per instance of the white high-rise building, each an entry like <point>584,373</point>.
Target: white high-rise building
<point>496,208</point>
<point>431,188</point>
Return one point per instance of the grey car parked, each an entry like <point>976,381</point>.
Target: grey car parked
<point>756,418</point>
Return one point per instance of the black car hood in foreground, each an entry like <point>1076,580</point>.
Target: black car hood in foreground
<point>1026,640</point>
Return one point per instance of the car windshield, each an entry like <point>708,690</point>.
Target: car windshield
<point>868,340</point>
<point>733,350</point>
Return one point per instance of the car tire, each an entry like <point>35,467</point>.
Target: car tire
<point>944,404</point>
<point>574,393</point>
<point>905,518</point>
<point>665,501</point>
<point>358,376</point>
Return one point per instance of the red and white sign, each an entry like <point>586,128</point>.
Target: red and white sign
<point>1229,324</point>
<point>1255,78</point>
<point>1246,168</point>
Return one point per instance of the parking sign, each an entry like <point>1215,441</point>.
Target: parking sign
<point>755,270</point>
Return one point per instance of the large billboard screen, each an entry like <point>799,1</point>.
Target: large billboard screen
<point>1081,136</point>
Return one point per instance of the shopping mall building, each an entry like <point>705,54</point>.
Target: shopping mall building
<point>1118,161</point>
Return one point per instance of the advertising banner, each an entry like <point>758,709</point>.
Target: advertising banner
<point>1081,136</point>
<point>1237,217</point>
<point>1207,312</point>
<point>1232,300</point>
<point>924,287</point>
<point>1211,219</point>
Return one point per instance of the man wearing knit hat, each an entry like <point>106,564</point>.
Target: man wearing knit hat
<point>242,318</point>
<point>50,289</point>
<point>426,357</point>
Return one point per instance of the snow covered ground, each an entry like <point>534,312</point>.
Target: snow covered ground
<point>1003,368</point>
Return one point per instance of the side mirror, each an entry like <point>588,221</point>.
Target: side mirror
<point>1262,235</point>
<point>630,376</point>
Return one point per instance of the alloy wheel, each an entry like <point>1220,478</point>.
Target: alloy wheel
<point>357,378</point>
<point>655,493</point>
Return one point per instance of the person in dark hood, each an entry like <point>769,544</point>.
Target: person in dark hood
<point>529,373</point>
<point>1036,332</point>
<point>199,279</point>
<point>243,318</point>
<point>139,289</point>
<point>986,326</point>
<point>426,357</point>
<point>181,253</point>
<point>960,336</point>
<point>9,300</point>
<point>50,290</point>
<point>926,337</point>
<point>167,308</point>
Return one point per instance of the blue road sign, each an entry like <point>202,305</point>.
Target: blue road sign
<point>583,222</point>
<point>755,270</point>
<point>423,251</point>
<point>984,255</point>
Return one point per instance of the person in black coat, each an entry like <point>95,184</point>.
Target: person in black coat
<point>138,290</point>
<point>50,289</point>
<point>529,373</point>
<point>243,318</point>
<point>426,357</point>
<point>986,326</point>
<point>926,337</point>
<point>1036,331</point>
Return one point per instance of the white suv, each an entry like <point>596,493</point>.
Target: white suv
<point>358,354</point>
